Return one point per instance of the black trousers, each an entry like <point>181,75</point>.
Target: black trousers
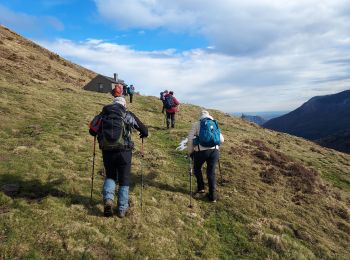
<point>118,165</point>
<point>170,116</point>
<point>131,96</point>
<point>211,157</point>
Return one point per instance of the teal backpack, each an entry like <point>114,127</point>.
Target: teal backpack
<point>209,133</point>
<point>131,90</point>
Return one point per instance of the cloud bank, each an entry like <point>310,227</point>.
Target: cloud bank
<point>216,80</point>
<point>264,55</point>
<point>238,27</point>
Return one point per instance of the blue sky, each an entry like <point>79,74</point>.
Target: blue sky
<point>253,55</point>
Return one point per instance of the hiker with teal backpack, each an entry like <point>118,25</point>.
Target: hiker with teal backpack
<point>171,105</point>
<point>131,91</point>
<point>204,141</point>
<point>113,128</point>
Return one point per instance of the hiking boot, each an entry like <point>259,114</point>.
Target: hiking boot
<point>199,194</point>
<point>108,208</point>
<point>212,197</point>
<point>121,213</point>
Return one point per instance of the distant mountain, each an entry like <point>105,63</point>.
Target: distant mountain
<point>255,119</point>
<point>318,119</point>
<point>267,115</point>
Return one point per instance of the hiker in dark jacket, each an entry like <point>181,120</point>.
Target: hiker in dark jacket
<point>201,154</point>
<point>117,152</point>
<point>125,90</point>
<point>171,108</point>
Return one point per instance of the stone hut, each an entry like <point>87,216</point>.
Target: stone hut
<point>103,83</point>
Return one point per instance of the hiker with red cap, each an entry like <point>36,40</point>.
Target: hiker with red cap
<point>171,105</point>
<point>118,90</point>
<point>113,127</point>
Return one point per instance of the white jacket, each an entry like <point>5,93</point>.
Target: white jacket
<point>195,132</point>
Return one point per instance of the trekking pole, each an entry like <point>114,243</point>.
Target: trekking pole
<point>93,169</point>
<point>190,206</point>
<point>142,156</point>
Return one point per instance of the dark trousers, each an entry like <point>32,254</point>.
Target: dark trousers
<point>170,116</point>
<point>131,95</point>
<point>118,166</point>
<point>211,157</point>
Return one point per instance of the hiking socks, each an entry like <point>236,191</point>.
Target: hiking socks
<point>108,189</point>
<point>123,198</point>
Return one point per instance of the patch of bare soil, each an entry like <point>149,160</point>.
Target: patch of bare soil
<point>302,180</point>
<point>269,175</point>
<point>340,211</point>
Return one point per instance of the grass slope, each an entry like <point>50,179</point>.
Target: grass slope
<point>281,196</point>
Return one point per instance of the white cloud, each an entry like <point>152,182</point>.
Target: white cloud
<point>231,83</point>
<point>238,27</point>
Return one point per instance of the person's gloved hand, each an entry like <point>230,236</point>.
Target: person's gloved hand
<point>93,133</point>
<point>142,135</point>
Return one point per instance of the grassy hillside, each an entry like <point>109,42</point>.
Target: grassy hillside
<point>280,196</point>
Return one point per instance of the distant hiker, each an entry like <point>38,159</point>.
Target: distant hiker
<point>161,97</point>
<point>204,140</point>
<point>113,129</point>
<point>117,91</point>
<point>125,90</point>
<point>170,104</point>
<point>131,90</point>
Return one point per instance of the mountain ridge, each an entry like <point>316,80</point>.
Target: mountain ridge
<point>317,118</point>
